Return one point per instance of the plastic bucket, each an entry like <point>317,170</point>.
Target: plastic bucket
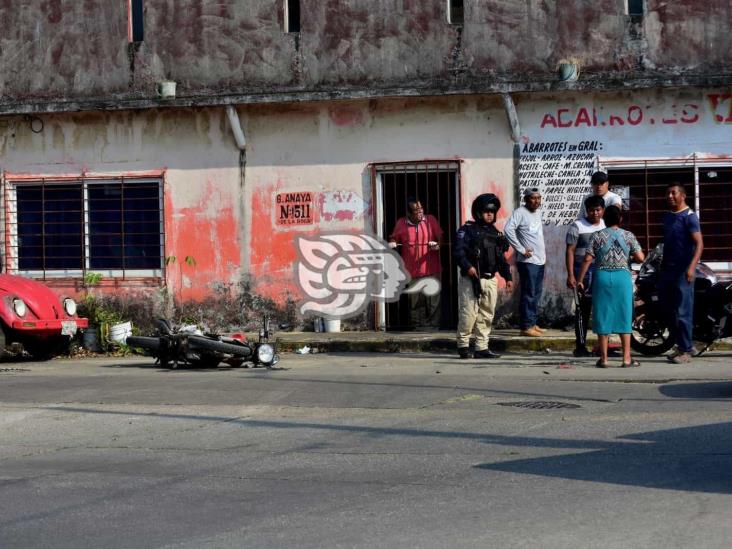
<point>332,325</point>
<point>118,333</point>
<point>90,339</point>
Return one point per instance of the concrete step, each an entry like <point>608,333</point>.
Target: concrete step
<point>396,342</point>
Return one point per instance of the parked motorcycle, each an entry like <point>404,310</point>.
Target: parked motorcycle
<point>712,308</point>
<point>189,345</point>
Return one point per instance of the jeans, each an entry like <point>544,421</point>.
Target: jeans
<point>532,285</point>
<point>678,296</point>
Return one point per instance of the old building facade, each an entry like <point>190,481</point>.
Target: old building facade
<point>299,117</point>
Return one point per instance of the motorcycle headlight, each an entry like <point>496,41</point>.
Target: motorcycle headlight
<point>265,353</point>
<point>70,306</point>
<point>19,307</point>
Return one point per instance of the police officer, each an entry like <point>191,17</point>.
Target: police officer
<point>479,251</point>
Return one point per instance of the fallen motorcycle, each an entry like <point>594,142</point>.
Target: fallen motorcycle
<point>190,346</point>
<point>712,309</point>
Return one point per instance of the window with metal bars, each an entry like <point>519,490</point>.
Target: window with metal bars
<point>292,16</point>
<point>455,12</point>
<point>63,228</point>
<point>135,21</point>
<point>709,193</point>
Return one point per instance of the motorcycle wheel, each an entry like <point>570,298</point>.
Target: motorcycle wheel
<point>141,342</point>
<point>197,342</point>
<point>650,336</point>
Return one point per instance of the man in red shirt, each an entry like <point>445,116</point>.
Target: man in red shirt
<point>419,236</point>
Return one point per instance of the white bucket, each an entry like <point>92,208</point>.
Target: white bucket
<point>118,333</point>
<point>90,339</point>
<point>332,325</point>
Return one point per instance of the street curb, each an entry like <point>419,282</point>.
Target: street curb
<point>385,343</point>
<point>398,345</point>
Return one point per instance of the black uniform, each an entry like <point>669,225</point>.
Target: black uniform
<point>482,246</point>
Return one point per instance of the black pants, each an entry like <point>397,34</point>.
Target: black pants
<point>584,308</point>
<point>582,320</point>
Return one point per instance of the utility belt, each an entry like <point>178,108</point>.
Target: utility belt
<point>487,276</point>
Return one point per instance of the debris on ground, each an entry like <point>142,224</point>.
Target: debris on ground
<point>303,350</point>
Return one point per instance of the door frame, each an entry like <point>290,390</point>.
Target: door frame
<point>376,169</point>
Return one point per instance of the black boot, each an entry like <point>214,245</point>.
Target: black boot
<point>581,351</point>
<point>464,352</point>
<point>486,353</point>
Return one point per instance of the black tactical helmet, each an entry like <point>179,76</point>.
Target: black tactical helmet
<point>487,202</point>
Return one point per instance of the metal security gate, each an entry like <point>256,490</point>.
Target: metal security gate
<point>708,186</point>
<point>436,186</point>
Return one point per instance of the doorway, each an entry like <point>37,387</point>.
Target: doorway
<point>436,186</point>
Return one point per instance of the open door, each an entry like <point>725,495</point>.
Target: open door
<point>436,186</point>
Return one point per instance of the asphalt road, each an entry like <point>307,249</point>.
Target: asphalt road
<point>366,451</point>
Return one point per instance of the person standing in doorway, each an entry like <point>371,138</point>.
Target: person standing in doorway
<point>601,187</point>
<point>479,252</point>
<point>578,239</point>
<point>525,232</point>
<point>682,250</point>
<point>419,236</point>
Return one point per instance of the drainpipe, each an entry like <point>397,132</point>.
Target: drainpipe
<point>513,123</point>
<point>241,144</point>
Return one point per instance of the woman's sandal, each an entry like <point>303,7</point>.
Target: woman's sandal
<point>601,364</point>
<point>632,364</point>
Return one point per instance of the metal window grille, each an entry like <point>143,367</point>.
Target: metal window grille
<point>708,186</point>
<point>65,228</point>
<point>455,12</point>
<point>135,22</point>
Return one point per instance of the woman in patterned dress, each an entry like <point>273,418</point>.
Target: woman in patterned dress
<point>612,286</point>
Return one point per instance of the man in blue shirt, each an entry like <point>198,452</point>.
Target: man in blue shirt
<point>682,250</point>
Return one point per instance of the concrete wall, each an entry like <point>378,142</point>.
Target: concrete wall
<point>192,150</point>
<point>228,223</point>
<point>55,50</point>
<point>668,128</point>
<point>327,150</point>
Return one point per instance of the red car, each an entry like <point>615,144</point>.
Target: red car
<point>31,314</point>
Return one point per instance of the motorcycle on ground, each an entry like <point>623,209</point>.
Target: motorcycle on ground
<point>712,309</point>
<point>188,345</point>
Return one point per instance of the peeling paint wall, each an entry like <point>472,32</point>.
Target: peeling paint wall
<point>327,150</point>
<point>63,50</point>
<point>308,165</point>
<point>315,153</point>
<point>194,150</point>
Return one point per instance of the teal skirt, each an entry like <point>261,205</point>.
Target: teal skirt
<point>612,302</point>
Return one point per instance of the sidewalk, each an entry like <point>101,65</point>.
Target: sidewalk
<point>396,342</point>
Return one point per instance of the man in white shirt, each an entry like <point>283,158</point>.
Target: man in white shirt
<point>601,187</point>
<point>525,232</point>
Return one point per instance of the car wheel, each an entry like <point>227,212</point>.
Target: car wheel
<point>3,352</point>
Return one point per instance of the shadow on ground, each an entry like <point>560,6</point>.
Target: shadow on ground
<point>694,459</point>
